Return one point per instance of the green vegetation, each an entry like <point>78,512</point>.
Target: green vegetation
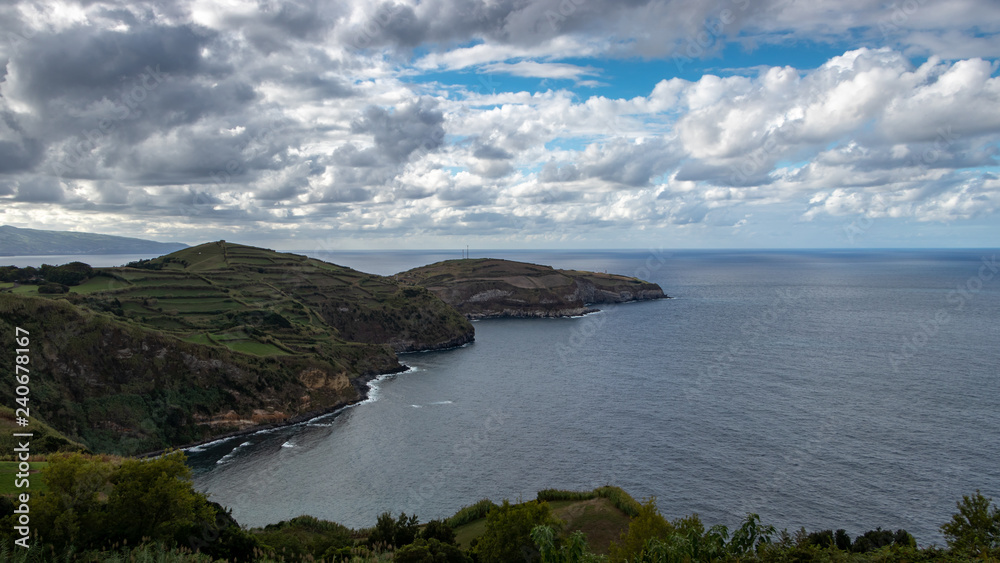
<point>121,387</point>
<point>209,340</point>
<point>222,337</point>
<point>304,537</point>
<point>100,508</point>
<point>489,287</point>
<point>8,470</point>
<point>45,439</point>
<point>507,536</point>
<point>98,504</point>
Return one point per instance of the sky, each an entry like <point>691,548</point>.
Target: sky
<point>436,124</point>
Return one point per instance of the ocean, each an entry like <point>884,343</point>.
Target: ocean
<point>826,389</point>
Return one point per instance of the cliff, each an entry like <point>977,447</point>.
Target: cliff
<point>488,288</point>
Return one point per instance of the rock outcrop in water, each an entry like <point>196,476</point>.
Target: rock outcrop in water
<point>491,288</point>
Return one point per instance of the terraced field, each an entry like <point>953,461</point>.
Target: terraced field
<point>261,302</point>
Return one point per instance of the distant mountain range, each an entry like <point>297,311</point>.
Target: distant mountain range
<point>15,241</point>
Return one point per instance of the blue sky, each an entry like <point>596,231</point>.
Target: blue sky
<point>504,123</point>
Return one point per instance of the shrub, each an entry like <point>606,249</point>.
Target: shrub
<point>648,524</point>
<point>471,513</point>
<point>508,532</point>
<point>438,530</point>
<point>430,551</point>
<point>52,288</point>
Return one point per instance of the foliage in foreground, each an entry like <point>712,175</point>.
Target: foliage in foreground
<point>101,509</point>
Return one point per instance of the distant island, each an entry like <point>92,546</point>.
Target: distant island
<point>221,338</point>
<point>15,241</point>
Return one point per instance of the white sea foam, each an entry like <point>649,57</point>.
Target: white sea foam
<point>232,452</point>
<point>288,444</point>
<point>206,445</point>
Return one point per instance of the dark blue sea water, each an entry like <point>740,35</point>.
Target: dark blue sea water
<point>826,389</point>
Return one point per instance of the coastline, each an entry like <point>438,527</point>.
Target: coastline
<point>576,312</point>
<point>361,383</point>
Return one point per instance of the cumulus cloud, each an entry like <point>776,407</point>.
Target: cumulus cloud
<point>219,115</point>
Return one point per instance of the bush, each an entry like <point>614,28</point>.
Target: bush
<point>430,551</point>
<point>508,532</point>
<point>304,536</point>
<point>471,513</point>
<point>53,288</point>
<point>438,530</point>
<point>648,524</point>
<point>552,495</point>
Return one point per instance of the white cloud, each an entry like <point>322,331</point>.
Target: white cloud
<point>270,114</point>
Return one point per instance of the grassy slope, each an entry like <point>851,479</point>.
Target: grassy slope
<point>45,439</point>
<point>598,518</point>
<point>222,337</point>
<point>265,302</point>
<point>8,478</point>
<point>493,287</point>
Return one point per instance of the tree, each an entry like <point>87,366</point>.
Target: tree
<point>975,529</point>
<point>155,499</point>
<point>647,525</point>
<point>438,530</point>
<point>842,540</point>
<point>71,512</point>
<point>67,274</point>
<point>508,532</point>
<point>394,533</point>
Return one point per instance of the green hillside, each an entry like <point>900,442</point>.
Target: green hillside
<point>488,287</point>
<point>213,339</point>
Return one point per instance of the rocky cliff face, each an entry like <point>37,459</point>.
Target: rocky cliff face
<point>488,288</point>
